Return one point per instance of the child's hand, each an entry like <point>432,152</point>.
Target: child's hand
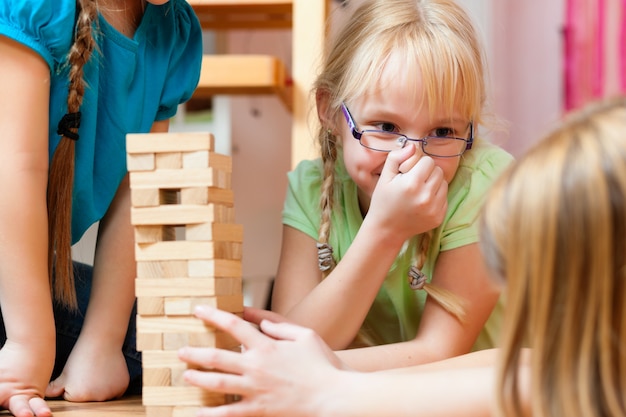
<point>411,196</point>
<point>279,371</point>
<point>93,372</point>
<point>24,375</point>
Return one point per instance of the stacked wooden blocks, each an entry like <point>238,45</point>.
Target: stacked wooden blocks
<point>188,252</point>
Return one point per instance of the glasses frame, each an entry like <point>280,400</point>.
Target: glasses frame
<point>358,134</point>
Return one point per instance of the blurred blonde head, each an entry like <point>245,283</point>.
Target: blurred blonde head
<point>554,228</point>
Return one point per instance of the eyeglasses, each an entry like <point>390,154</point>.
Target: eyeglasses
<point>383,141</point>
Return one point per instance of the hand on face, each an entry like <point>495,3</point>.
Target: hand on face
<point>411,195</point>
<point>279,371</point>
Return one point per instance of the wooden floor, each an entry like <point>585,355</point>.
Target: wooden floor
<point>126,407</point>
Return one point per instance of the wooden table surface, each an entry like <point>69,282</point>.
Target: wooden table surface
<point>125,407</point>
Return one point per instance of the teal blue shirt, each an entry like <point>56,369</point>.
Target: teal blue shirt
<point>131,84</point>
<point>397,310</point>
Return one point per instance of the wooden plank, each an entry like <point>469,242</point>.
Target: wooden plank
<point>162,269</point>
<point>240,74</point>
<point>140,162</point>
<point>205,159</point>
<point>150,291</point>
<point>190,250</point>
<point>168,142</point>
<point>174,214</point>
<point>185,306</point>
<point>243,14</point>
<point>124,407</point>
<point>173,178</point>
<point>181,396</point>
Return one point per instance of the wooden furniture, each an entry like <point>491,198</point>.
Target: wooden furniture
<point>236,74</point>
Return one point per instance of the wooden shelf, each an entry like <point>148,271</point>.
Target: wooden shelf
<point>243,74</point>
<point>244,14</point>
<point>306,20</point>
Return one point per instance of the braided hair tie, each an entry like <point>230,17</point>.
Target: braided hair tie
<point>417,278</point>
<point>325,259</point>
<point>67,123</point>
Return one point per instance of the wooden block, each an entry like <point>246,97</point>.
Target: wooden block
<point>228,250</point>
<point>175,341</point>
<point>206,159</point>
<point>168,142</point>
<point>162,269</point>
<point>175,287</point>
<point>174,178</point>
<point>152,359</point>
<point>164,324</point>
<point>174,306</point>
<point>214,231</point>
<point>169,160</point>
<point>144,197</point>
<point>174,214</point>
<point>149,234</point>
<point>181,396</point>
<point>154,306</point>
<point>204,195</point>
<point>177,378</point>
<point>140,162</point>
<point>149,341</point>
<point>157,377</point>
<point>219,268</point>
<point>177,250</point>
<point>225,341</point>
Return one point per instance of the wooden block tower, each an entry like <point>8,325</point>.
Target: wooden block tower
<point>188,252</point>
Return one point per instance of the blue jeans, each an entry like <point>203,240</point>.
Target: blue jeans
<point>69,324</point>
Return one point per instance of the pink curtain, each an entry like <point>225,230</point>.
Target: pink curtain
<point>595,50</point>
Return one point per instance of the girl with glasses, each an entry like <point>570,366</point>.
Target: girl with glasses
<point>554,236</point>
<point>76,77</point>
<point>380,239</point>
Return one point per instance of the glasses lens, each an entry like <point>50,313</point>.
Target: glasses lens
<point>445,147</point>
<point>382,141</point>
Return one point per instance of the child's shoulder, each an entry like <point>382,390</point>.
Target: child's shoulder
<point>481,166</point>
<point>486,154</point>
<point>44,26</point>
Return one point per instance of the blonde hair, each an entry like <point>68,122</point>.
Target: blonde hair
<point>437,39</point>
<point>61,176</point>
<point>554,226</point>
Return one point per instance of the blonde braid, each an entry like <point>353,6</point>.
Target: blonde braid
<point>452,303</point>
<point>61,176</point>
<point>328,147</point>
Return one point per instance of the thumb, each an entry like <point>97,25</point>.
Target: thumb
<point>395,160</point>
<point>56,388</point>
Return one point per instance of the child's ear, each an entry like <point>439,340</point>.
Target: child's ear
<point>322,103</point>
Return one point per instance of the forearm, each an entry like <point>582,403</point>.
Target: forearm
<point>394,355</point>
<point>348,292</point>
<point>112,293</point>
<point>454,392</point>
<point>25,295</point>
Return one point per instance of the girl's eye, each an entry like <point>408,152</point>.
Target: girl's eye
<point>387,127</point>
<point>443,132</point>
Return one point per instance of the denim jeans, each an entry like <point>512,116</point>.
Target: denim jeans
<point>69,324</point>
